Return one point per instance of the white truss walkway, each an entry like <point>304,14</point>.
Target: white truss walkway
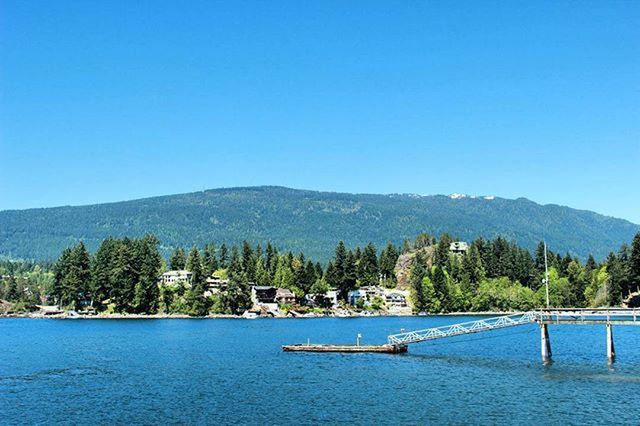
<point>463,328</point>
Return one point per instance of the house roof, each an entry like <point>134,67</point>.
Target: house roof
<point>262,287</point>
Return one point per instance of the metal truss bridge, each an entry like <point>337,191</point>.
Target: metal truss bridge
<point>543,317</point>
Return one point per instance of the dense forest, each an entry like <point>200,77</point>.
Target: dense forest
<point>307,221</point>
<point>122,276</point>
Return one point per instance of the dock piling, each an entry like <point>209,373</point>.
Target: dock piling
<point>545,343</point>
<point>611,351</point>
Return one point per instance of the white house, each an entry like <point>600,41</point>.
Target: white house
<point>175,277</point>
<point>459,247</point>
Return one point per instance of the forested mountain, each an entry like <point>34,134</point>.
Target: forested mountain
<point>308,221</point>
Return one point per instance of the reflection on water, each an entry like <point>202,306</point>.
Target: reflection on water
<point>234,372</point>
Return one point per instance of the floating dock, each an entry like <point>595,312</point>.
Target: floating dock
<point>387,349</point>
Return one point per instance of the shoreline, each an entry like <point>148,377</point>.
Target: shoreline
<point>227,316</point>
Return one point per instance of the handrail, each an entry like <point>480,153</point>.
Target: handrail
<point>462,328</point>
<point>558,316</point>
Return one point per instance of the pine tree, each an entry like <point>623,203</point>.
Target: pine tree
<point>564,265</point>
<point>271,259</point>
<point>369,274</point>
<point>224,256</point>
<point>72,276</point>
<point>472,267</point>
<point>337,276</point>
<point>388,260</point>
<point>417,274</point>
<point>12,293</point>
<point>147,293</point>
<point>615,283</point>
<point>248,261</point>
<point>210,260</point>
<point>101,285</point>
<point>194,265</point>
<point>440,285</point>
<point>123,277</point>
<point>81,262</point>
<point>634,265</point>
<point>177,261</point>
<point>198,304</point>
<point>262,274</point>
<point>539,263</point>
<point>442,251</point>
<point>234,265</point>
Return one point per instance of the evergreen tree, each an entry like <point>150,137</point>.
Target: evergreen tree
<point>210,260</point>
<point>123,277</point>
<point>350,273</point>
<point>262,274</point>
<point>337,276</point>
<point>271,259</point>
<point>416,276</point>
<point>564,265</point>
<point>103,263</point>
<point>12,293</point>
<point>472,267</point>
<point>72,276</point>
<point>234,264</point>
<point>198,304</point>
<point>440,285</point>
<point>194,265</point>
<point>369,274</point>
<point>388,260</point>
<point>284,276</point>
<point>248,261</point>
<point>147,293</point>
<point>224,256</point>
<point>178,260</point>
<point>634,265</point>
<point>615,271</point>
<point>442,251</point>
<point>539,264</point>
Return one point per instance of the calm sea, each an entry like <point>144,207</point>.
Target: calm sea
<point>234,372</point>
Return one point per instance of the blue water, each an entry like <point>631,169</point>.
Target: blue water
<point>234,372</point>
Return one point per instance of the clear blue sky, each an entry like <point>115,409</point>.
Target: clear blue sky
<point>113,100</point>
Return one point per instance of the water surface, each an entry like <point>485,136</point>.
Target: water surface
<point>234,372</point>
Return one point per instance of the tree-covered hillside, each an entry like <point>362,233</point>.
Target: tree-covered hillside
<point>308,221</point>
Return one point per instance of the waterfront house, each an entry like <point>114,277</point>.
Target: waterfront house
<point>263,294</point>
<point>354,296</point>
<point>366,293</point>
<point>395,299</point>
<point>50,309</point>
<point>285,296</point>
<point>321,300</point>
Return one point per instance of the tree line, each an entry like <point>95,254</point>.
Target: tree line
<point>122,276</point>
<point>497,275</point>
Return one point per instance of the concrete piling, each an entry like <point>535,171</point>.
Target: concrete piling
<point>545,343</point>
<point>611,351</point>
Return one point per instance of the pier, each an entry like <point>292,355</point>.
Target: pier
<point>544,317</point>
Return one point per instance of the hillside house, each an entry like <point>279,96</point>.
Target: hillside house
<point>175,277</point>
<point>215,285</point>
<point>459,247</point>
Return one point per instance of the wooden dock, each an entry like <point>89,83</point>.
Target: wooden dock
<point>387,349</point>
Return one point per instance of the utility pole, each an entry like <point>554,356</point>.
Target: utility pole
<point>546,273</point>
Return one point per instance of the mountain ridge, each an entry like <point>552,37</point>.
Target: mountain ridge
<point>307,220</point>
